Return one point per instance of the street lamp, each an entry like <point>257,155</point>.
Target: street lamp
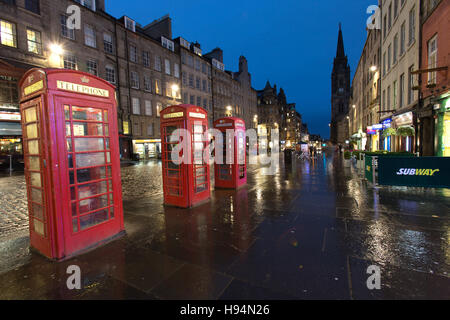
<point>175,88</point>
<point>56,51</point>
<point>373,68</point>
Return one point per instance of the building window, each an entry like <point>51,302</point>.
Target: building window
<point>192,100</point>
<point>403,38</point>
<point>136,105</point>
<point>158,63</point>
<point>383,106</point>
<point>385,26</point>
<point>389,98</point>
<point>395,49</point>
<point>184,79</point>
<point>167,66</point>
<point>110,74</point>
<point>108,43</point>
<point>395,8</point>
<point>146,59</point>
<point>148,108</point>
<point>65,31</point>
<point>34,41</point>
<point>133,54</point>
<point>70,62</point>
<point>390,16</point>
<point>158,108</point>
<point>204,85</point>
<point>130,24</point>
<point>89,36</point>
<point>126,127</point>
<point>199,101</point>
<point>197,83</point>
<point>8,35</point>
<point>32,5</point>
<point>197,65</point>
<point>90,4</point>
<point>395,92</point>
<point>185,97</point>
<point>134,80</point>
<point>402,91</point>
<point>432,59</point>
<point>384,64</point>
<point>136,129</point>
<point>92,67</point>
<point>168,44</point>
<point>191,80</point>
<point>147,84</point>
<point>157,86</point>
<point>412,25</point>
<point>150,129</point>
<point>389,57</point>
<point>176,70</point>
<point>410,85</point>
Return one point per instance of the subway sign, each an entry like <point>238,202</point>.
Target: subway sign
<point>433,172</point>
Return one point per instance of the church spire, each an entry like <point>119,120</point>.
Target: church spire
<point>340,52</point>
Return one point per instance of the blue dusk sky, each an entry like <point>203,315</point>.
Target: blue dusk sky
<point>291,43</point>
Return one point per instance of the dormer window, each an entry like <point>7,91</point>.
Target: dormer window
<point>168,44</point>
<point>184,43</point>
<point>130,24</point>
<point>90,4</point>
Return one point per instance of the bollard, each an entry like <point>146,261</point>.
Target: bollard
<point>10,164</point>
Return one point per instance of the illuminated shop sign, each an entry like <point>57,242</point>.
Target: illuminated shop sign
<point>197,115</point>
<point>386,123</point>
<point>10,116</point>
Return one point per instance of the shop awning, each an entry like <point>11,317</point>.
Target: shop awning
<point>9,129</point>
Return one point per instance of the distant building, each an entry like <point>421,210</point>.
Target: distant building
<point>340,94</point>
<point>269,114</point>
<point>196,88</point>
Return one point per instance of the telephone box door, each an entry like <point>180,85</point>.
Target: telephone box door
<point>174,173</point>
<point>34,137</point>
<point>200,164</point>
<point>90,172</point>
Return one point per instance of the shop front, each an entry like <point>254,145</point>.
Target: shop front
<point>443,129</point>
<point>147,149</point>
<point>373,134</point>
<point>404,122</point>
<point>385,140</point>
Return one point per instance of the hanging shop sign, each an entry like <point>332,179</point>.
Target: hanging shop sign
<point>433,172</point>
<point>403,119</point>
<point>386,123</point>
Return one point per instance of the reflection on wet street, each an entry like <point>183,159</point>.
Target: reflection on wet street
<point>308,232</point>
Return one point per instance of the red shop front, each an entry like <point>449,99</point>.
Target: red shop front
<point>184,138</point>
<point>72,166</point>
<point>232,172</point>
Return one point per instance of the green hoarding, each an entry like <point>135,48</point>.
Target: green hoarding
<point>368,168</point>
<point>432,172</point>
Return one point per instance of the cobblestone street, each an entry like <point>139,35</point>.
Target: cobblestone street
<point>309,231</point>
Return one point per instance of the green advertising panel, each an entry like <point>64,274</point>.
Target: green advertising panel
<point>432,172</point>
<point>368,169</point>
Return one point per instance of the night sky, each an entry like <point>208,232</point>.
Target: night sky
<point>291,43</point>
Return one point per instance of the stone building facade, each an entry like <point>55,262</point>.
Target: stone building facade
<point>269,114</point>
<point>400,58</point>
<point>364,105</point>
<point>141,62</point>
<point>196,85</point>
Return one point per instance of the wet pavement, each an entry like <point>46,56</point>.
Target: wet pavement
<point>308,232</point>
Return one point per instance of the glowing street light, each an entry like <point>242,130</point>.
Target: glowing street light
<point>56,52</point>
<point>373,68</point>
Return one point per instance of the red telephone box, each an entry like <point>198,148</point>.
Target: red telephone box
<point>233,175</point>
<point>72,166</point>
<point>186,183</point>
